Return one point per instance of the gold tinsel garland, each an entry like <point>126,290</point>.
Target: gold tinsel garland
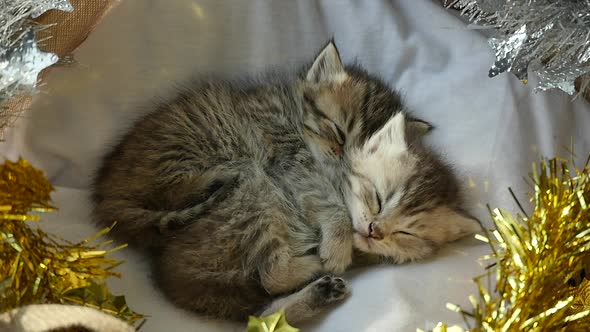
<point>36,267</point>
<point>534,257</point>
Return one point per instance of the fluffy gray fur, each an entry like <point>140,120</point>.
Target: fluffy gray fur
<point>244,194</point>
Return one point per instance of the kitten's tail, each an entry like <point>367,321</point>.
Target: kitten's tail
<point>142,227</point>
<point>148,229</point>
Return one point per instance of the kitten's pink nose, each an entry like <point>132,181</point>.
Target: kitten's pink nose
<point>374,232</point>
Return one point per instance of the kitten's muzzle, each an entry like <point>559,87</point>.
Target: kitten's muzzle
<point>375,232</point>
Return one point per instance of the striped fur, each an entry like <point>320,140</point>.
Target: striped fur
<point>241,194</point>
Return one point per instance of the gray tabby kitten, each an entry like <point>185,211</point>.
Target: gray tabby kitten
<point>250,198</point>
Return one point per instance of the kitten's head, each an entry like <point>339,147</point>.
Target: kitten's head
<point>403,200</point>
<point>342,105</point>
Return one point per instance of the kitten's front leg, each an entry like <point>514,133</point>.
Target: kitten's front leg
<point>310,301</point>
<point>336,246</point>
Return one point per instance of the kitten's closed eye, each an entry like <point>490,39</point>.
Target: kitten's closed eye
<point>338,133</point>
<point>379,202</point>
<point>374,201</point>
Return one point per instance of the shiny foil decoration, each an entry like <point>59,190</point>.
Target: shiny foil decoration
<point>36,267</point>
<point>534,257</point>
<point>42,6</point>
<point>58,31</point>
<point>20,64</point>
<point>547,37</point>
<point>21,60</point>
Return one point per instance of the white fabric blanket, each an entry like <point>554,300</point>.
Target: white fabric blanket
<point>491,129</point>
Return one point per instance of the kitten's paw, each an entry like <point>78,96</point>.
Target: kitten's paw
<point>329,289</point>
<point>336,258</point>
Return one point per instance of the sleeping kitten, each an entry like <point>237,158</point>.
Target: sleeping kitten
<point>244,194</point>
<point>403,200</point>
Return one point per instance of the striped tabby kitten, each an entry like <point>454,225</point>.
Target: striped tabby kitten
<point>253,197</point>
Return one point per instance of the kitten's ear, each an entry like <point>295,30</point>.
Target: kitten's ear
<point>416,129</point>
<point>391,135</point>
<point>326,66</point>
<point>447,225</point>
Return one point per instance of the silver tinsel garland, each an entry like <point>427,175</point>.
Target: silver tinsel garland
<point>20,58</point>
<point>550,38</point>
